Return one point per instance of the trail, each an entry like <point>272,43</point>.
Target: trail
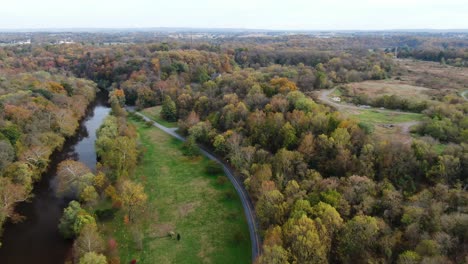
<point>246,202</point>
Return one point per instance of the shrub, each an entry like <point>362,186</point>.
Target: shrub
<point>213,168</point>
<point>221,180</point>
<point>105,214</point>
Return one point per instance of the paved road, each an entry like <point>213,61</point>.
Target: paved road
<point>324,96</point>
<point>246,202</point>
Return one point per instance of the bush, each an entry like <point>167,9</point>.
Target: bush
<point>190,148</point>
<point>105,214</point>
<point>148,124</point>
<point>221,180</point>
<point>229,194</point>
<point>213,168</point>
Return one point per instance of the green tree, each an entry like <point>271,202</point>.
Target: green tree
<point>409,257</point>
<point>93,258</point>
<point>357,238</point>
<point>304,241</point>
<point>273,255</point>
<point>288,135</point>
<point>7,154</point>
<point>89,195</point>
<point>169,110</point>
<point>74,218</point>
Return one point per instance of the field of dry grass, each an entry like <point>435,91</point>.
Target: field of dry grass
<point>432,75</point>
<point>379,88</point>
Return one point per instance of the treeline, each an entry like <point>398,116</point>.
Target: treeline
<point>387,101</point>
<point>38,111</point>
<point>447,122</point>
<point>454,57</point>
<point>99,197</point>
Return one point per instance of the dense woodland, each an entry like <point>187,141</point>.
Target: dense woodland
<point>324,188</point>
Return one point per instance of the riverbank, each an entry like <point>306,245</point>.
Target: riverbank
<point>183,198</point>
<point>37,239</point>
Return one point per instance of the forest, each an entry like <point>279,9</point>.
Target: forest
<point>325,187</point>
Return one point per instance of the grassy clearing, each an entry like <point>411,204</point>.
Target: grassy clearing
<point>374,89</point>
<point>376,117</point>
<point>155,114</point>
<point>182,198</point>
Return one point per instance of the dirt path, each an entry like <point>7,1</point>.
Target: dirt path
<point>324,97</point>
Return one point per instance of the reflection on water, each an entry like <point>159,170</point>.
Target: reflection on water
<point>37,240</point>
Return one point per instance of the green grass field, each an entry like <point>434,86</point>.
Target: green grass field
<point>182,198</point>
<point>375,117</point>
<point>155,114</point>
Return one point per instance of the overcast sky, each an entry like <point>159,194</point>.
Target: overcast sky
<point>257,14</point>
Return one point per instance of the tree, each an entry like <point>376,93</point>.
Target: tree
<point>190,147</point>
<point>7,154</point>
<point>261,173</point>
<point>169,110</point>
<point>73,220</point>
<point>271,208</point>
<point>409,257</point>
<point>357,238</point>
<point>288,135</point>
<point>122,158</point>
<point>93,258</point>
<point>10,194</point>
<point>273,255</point>
<point>304,241</point>
<point>73,177</point>
<point>89,240</point>
<point>321,79</point>
<point>133,197</point>
<point>89,195</point>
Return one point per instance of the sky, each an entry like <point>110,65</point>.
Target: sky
<point>252,14</point>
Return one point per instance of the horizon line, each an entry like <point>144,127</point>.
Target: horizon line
<point>85,29</point>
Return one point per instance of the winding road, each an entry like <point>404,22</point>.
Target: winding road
<point>246,202</point>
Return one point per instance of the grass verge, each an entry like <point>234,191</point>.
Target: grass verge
<point>155,114</point>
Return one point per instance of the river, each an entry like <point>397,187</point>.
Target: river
<point>36,239</point>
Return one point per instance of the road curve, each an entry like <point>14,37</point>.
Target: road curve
<point>246,202</point>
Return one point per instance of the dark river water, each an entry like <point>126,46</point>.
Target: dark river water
<point>36,239</point>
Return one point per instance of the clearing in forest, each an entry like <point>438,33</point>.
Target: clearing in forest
<point>183,198</point>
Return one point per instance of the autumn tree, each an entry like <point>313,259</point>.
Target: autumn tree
<point>89,240</point>
<point>304,241</point>
<point>133,197</point>
<point>73,177</point>
<point>10,195</point>
<point>357,238</point>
